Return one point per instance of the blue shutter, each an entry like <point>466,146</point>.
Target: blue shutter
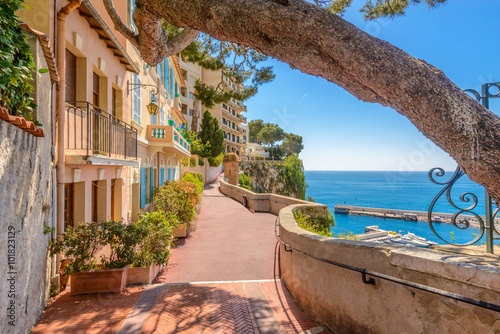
<point>162,176</point>
<point>143,187</point>
<point>169,175</point>
<point>171,83</point>
<point>151,178</point>
<point>173,177</point>
<point>165,74</point>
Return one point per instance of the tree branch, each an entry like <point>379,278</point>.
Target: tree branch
<point>119,25</point>
<point>181,41</point>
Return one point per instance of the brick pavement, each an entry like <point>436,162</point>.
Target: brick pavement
<point>230,244</point>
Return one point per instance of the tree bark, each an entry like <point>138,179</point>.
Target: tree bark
<point>316,42</point>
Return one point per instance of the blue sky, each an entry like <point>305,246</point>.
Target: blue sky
<point>343,133</point>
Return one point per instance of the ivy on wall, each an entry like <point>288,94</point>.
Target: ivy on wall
<point>16,63</point>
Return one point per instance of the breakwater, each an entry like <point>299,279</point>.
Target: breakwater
<point>437,217</point>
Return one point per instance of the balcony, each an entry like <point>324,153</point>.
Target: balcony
<point>93,136</point>
<point>167,139</point>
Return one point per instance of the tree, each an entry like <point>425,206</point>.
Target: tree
<point>317,42</point>
<point>211,137</point>
<point>292,144</point>
<point>270,134</point>
<point>254,128</point>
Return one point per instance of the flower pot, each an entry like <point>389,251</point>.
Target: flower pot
<point>180,232</point>
<point>143,275</point>
<point>99,281</point>
<point>171,123</point>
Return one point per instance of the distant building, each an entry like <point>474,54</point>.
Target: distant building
<point>256,152</point>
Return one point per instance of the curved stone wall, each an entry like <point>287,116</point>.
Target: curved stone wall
<point>338,298</point>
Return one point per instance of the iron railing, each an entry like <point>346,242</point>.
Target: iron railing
<point>92,131</point>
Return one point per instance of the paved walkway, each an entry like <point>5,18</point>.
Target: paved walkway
<point>222,279</point>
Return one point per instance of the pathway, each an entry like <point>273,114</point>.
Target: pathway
<point>222,279</point>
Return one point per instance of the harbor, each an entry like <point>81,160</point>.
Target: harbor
<point>403,214</point>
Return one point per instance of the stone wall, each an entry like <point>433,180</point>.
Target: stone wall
<point>338,298</point>
<point>26,206</point>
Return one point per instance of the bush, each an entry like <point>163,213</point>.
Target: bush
<point>79,245</point>
<point>245,181</point>
<point>155,247</point>
<point>200,177</point>
<point>192,162</point>
<point>318,225</point>
<point>189,177</point>
<point>123,240</point>
<point>16,63</point>
<point>179,197</point>
<point>215,162</point>
<point>185,162</point>
<point>201,162</point>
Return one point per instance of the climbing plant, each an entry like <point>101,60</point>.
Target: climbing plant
<point>16,63</point>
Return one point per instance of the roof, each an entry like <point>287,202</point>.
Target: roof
<point>178,67</point>
<point>47,51</point>
<point>95,21</point>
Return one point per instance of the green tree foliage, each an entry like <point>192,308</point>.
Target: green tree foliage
<point>239,63</point>
<point>245,181</point>
<point>211,137</point>
<point>318,225</point>
<point>381,8</point>
<point>254,128</point>
<point>270,134</point>
<point>292,144</point>
<point>16,63</point>
<point>293,170</point>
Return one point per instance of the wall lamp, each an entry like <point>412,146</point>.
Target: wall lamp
<point>152,106</point>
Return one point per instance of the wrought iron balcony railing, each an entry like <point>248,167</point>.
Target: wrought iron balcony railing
<point>92,131</point>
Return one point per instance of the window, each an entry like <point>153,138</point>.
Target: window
<point>165,75</point>
<point>136,100</point>
<point>171,82</point>
<point>95,89</point>
<point>162,116</point>
<point>68,205</point>
<point>131,7</point>
<point>70,77</point>
<point>223,120</point>
<point>238,140</point>
<point>159,71</point>
<point>224,106</point>
<point>233,137</point>
<point>190,112</point>
<point>191,96</point>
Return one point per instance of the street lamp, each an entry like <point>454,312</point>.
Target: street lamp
<point>152,106</point>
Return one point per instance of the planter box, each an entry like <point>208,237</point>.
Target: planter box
<point>99,281</point>
<point>180,232</point>
<point>143,275</point>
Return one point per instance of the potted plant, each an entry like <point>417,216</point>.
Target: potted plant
<point>154,249</point>
<point>80,246</point>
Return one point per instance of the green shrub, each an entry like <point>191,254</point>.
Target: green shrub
<point>201,162</point>
<point>79,245</point>
<point>189,177</point>
<point>245,181</point>
<point>318,225</point>
<point>215,162</point>
<point>192,162</point>
<point>16,63</point>
<point>155,247</point>
<point>200,177</point>
<point>185,162</point>
<point>179,197</point>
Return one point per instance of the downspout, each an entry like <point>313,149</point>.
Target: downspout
<point>60,111</point>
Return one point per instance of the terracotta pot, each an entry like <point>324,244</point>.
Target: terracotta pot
<point>180,232</point>
<point>99,281</point>
<point>143,275</point>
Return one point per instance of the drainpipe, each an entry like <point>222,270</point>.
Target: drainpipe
<point>60,111</point>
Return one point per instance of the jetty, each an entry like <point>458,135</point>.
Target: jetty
<point>402,214</point>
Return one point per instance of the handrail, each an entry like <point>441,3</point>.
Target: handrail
<point>364,272</point>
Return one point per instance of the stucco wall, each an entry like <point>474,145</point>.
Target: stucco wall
<point>26,205</point>
<point>212,173</point>
<point>338,297</point>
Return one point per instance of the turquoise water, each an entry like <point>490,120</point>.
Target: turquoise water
<point>391,190</point>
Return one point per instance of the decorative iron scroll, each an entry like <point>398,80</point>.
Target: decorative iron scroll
<point>459,222</point>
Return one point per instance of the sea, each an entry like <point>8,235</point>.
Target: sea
<point>393,190</point>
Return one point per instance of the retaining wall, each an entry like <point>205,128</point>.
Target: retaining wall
<point>337,297</point>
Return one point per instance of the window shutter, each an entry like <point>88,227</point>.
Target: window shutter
<point>143,187</point>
